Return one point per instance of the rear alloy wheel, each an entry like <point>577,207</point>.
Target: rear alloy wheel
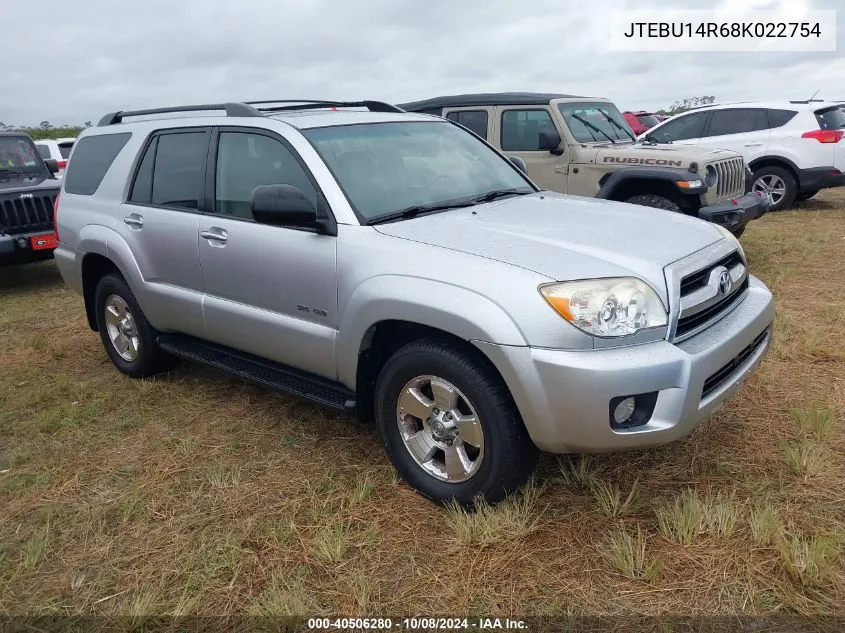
<point>775,184</point>
<point>449,424</point>
<point>655,201</point>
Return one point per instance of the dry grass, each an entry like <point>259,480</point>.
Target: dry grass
<point>195,493</point>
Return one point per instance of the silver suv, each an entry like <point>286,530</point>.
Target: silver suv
<point>395,266</point>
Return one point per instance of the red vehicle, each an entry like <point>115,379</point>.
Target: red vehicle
<point>640,121</point>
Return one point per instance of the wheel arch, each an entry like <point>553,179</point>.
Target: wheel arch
<point>775,161</point>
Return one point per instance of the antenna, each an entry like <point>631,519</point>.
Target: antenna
<point>814,94</point>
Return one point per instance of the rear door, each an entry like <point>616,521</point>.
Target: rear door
<point>743,130</point>
<point>518,134</point>
<point>160,222</point>
<point>270,290</point>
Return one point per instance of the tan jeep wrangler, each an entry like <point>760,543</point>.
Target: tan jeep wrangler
<point>584,146</point>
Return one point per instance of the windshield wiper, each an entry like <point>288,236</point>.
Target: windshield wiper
<point>578,117</point>
<point>498,193</point>
<point>617,125</point>
<point>414,211</point>
<point>5,170</point>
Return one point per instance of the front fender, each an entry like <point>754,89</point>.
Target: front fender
<point>662,174</point>
<point>437,304</point>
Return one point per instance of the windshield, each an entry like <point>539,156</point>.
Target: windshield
<point>647,120</point>
<point>384,168</point>
<point>18,154</point>
<point>583,119</point>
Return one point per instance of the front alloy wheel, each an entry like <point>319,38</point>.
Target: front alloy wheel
<point>440,428</point>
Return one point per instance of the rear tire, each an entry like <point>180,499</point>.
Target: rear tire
<point>430,384</point>
<point>129,339</point>
<point>777,184</point>
<point>655,201</point>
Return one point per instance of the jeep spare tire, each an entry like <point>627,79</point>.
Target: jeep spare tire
<point>658,202</point>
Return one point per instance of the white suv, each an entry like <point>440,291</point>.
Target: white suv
<point>56,148</point>
<point>794,148</point>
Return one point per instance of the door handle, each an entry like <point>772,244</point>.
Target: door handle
<point>134,220</point>
<point>753,144</point>
<point>215,235</point>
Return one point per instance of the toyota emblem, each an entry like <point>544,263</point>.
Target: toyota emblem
<point>725,282</point>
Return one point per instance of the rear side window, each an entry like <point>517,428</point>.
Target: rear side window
<point>172,172</point>
<point>475,120</point>
<point>521,129</point>
<point>780,117</point>
<point>737,121</point>
<point>64,149</point>
<point>831,119</point>
<point>94,155</point>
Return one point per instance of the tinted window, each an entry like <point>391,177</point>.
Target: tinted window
<point>64,149</point>
<point>245,161</point>
<point>737,121</point>
<point>43,151</point>
<point>780,117</point>
<point>475,120</point>
<point>94,155</point>
<point>521,129</point>
<point>832,119</point>
<point>682,128</point>
<point>179,169</point>
<point>142,188</point>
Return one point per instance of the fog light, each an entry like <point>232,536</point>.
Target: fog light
<point>21,242</point>
<point>624,410</point>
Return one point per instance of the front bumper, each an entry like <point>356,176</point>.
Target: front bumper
<point>735,213</point>
<point>564,396</point>
<point>22,248</point>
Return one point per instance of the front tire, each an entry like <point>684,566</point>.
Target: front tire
<point>128,337</point>
<point>450,426</point>
<point>777,184</point>
<point>655,201</point>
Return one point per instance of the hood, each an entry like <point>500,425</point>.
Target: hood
<point>565,237</point>
<point>661,155</point>
<point>33,184</point>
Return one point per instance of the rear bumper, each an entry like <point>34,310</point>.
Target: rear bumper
<point>565,396</point>
<point>820,178</point>
<point>19,249</point>
<point>735,213</point>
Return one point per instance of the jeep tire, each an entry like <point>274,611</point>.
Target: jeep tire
<point>129,339</point>
<point>449,424</point>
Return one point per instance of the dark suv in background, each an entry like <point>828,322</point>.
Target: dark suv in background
<point>28,191</point>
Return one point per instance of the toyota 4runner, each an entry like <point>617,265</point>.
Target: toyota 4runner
<point>394,266</point>
<point>28,190</point>
<point>584,146</point>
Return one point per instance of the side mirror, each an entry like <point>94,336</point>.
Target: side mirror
<point>519,164</point>
<point>550,141</point>
<point>282,205</point>
<point>52,165</point>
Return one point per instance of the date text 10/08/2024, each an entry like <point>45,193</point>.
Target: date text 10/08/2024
<point>417,623</point>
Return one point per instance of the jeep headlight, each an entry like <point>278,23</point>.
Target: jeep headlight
<point>617,306</point>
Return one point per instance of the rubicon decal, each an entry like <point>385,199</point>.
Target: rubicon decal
<point>628,160</point>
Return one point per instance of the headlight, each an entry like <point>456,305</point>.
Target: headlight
<point>616,306</point>
<point>732,238</point>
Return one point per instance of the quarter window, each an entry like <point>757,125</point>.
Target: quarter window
<point>475,120</point>
<point>521,129</point>
<point>245,161</point>
<point>93,158</point>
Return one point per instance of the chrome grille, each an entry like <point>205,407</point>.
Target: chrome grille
<point>26,214</point>
<point>708,292</point>
<point>730,178</point>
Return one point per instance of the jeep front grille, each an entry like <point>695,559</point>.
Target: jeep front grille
<point>709,293</point>
<point>27,214</point>
<point>730,181</point>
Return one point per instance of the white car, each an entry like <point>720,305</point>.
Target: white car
<point>57,148</point>
<point>794,148</point>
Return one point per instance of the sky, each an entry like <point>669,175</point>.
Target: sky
<point>84,58</point>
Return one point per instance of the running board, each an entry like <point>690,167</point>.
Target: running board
<point>260,371</point>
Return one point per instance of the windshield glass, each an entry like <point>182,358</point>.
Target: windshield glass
<point>19,154</point>
<point>583,118</point>
<point>387,167</point>
<point>647,120</point>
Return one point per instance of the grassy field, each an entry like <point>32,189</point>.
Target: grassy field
<point>195,493</point>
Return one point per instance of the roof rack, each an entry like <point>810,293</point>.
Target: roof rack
<point>231,109</point>
<point>309,104</point>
